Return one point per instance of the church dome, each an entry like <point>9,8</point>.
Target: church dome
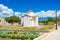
<point>30,13</point>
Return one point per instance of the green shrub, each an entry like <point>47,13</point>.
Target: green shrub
<point>1,31</point>
<point>9,36</point>
<point>13,36</point>
<point>31,34</point>
<point>15,32</point>
<point>19,36</point>
<point>10,32</point>
<point>24,36</point>
<point>4,35</point>
<point>16,36</point>
<point>27,35</point>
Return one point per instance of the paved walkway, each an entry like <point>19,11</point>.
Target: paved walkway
<point>55,35</point>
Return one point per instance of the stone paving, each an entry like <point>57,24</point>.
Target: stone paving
<point>54,35</point>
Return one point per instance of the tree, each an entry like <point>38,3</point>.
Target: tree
<point>13,19</point>
<point>51,20</point>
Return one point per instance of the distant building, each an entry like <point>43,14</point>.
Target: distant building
<point>2,21</point>
<point>29,19</point>
<point>58,20</point>
<point>51,23</point>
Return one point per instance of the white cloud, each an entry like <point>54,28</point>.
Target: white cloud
<point>17,13</point>
<point>49,13</point>
<point>2,7</point>
<point>41,14</point>
<point>10,12</point>
<point>5,10</point>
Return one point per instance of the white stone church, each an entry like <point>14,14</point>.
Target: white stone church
<point>29,19</point>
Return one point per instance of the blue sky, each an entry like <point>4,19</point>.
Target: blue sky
<point>35,5</point>
<point>43,8</point>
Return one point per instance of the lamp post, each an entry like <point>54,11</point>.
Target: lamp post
<point>56,19</point>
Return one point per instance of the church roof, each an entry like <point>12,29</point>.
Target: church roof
<point>29,13</point>
<point>28,16</point>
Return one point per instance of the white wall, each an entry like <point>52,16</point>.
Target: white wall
<point>36,21</point>
<point>27,22</point>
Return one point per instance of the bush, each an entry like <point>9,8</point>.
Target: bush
<point>1,31</point>
<point>27,35</point>
<point>10,32</point>
<point>15,32</point>
<point>13,36</point>
<point>9,36</point>
<point>24,36</point>
<point>13,19</point>
<point>4,35</point>
<point>17,36</point>
<point>31,34</point>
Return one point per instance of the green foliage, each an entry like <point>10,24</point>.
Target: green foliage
<point>15,32</point>
<point>14,36</point>
<point>1,31</point>
<point>10,32</point>
<point>40,21</point>
<point>13,19</point>
<point>19,36</point>
<point>45,22</point>
<point>31,34</point>
<point>27,35</point>
<point>9,36</point>
<point>51,19</point>
<point>4,35</point>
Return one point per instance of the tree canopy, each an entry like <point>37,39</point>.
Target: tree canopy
<point>52,19</point>
<point>13,19</point>
<point>49,19</point>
